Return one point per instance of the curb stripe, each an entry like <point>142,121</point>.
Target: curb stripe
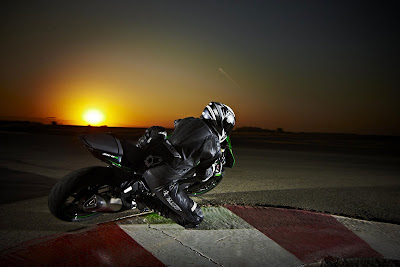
<point>307,235</point>
<point>104,245</point>
<point>229,236</point>
<point>175,246</point>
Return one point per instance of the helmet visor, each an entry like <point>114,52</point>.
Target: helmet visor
<point>228,124</point>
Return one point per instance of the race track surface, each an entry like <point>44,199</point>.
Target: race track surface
<point>351,185</point>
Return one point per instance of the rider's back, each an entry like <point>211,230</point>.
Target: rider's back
<point>195,142</point>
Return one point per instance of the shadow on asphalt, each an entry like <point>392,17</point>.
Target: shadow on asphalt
<point>18,185</point>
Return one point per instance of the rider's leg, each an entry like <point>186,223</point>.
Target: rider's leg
<point>174,204</point>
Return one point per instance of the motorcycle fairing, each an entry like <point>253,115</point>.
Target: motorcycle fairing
<point>229,158</point>
<point>104,146</point>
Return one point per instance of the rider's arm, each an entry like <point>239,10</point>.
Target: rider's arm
<point>152,133</point>
<point>211,152</point>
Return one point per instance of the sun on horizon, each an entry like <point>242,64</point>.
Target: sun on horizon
<point>93,117</point>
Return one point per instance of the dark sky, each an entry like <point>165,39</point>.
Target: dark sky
<point>321,66</point>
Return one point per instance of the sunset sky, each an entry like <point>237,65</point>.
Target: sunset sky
<point>313,66</point>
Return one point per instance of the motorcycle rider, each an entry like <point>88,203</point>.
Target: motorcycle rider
<point>194,145</point>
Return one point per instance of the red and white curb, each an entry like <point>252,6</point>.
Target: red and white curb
<point>230,236</point>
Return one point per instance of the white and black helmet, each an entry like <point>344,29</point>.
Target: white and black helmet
<point>220,117</point>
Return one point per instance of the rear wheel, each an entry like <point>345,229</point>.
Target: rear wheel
<point>67,196</point>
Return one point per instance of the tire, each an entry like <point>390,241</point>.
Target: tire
<point>78,186</point>
<point>200,188</point>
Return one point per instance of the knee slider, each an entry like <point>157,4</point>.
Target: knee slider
<point>197,214</point>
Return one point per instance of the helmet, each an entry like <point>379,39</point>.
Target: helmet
<point>220,117</point>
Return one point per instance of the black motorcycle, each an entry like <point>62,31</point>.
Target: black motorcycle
<point>87,193</point>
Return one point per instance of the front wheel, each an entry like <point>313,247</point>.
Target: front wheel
<point>200,188</point>
<point>67,196</point>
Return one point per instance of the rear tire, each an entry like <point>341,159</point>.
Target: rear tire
<point>76,188</point>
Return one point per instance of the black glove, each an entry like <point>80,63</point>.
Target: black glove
<point>152,133</point>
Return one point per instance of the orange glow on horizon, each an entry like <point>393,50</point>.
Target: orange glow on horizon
<point>136,99</point>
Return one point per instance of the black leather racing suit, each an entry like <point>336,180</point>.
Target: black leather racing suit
<point>192,145</point>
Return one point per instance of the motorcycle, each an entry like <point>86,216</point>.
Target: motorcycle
<point>89,192</point>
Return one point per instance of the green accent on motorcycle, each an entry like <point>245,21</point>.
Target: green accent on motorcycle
<point>210,188</point>
<point>230,149</point>
<point>229,142</point>
<point>119,165</point>
<point>203,192</point>
<point>114,163</point>
<point>85,216</point>
<point>233,158</point>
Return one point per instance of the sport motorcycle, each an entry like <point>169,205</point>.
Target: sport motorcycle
<point>89,192</point>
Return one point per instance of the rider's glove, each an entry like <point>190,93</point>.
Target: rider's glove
<point>205,174</point>
<point>152,133</point>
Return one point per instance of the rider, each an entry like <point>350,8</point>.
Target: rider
<point>195,145</point>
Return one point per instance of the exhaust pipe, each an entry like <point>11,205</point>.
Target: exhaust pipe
<point>102,204</point>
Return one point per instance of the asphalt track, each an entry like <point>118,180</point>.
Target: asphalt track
<point>355,186</point>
